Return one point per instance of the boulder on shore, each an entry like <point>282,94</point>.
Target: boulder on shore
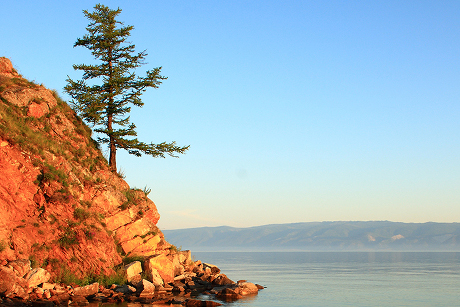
<point>37,276</point>
<point>133,270</point>
<point>87,290</point>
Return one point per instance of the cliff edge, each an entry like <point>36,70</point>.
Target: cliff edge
<point>60,205</point>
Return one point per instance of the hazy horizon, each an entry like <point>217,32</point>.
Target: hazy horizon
<point>262,225</point>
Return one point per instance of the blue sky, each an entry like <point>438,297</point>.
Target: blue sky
<point>295,111</point>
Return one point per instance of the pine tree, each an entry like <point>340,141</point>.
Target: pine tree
<point>106,106</point>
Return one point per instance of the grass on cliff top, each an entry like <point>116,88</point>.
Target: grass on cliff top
<point>38,136</point>
<point>8,83</point>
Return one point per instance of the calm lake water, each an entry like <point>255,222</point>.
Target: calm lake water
<point>342,278</point>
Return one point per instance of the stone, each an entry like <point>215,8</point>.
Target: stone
<point>130,245</point>
<point>37,276</point>
<point>152,215</point>
<point>178,286</point>
<point>106,200</point>
<point>10,283</point>
<point>222,280</point>
<point>79,300</point>
<point>247,288</point>
<point>179,289</point>
<point>198,303</point>
<point>58,290</point>
<point>155,277</point>
<point>105,291</point>
<point>132,270</point>
<point>138,228</point>
<point>125,289</point>
<point>146,288</point>
<point>47,294</point>
<point>206,277</point>
<point>178,266</point>
<point>39,198</point>
<point>39,290</point>
<point>116,221</point>
<point>42,304</point>
<point>212,268</point>
<point>180,277</point>
<point>98,297</point>
<point>198,269</point>
<point>136,279</point>
<point>37,110</point>
<point>6,67</point>
<point>185,257</point>
<point>48,286</point>
<point>60,299</point>
<point>148,246</point>
<point>25,96</point>
<point>174,301</point>
<point>21,267</point>
<point>228,294</point>
<point>86,290</point>
<point>163,265</point>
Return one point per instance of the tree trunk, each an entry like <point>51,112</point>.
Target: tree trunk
<point>112,147</point>
<point>113,160</point>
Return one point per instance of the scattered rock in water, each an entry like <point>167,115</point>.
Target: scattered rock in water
<point>198,303</point>
<point>228,294</point>
<point>86,290</point>
<point>78,300</point>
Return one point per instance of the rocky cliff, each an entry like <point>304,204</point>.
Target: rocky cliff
<point>60,205</point>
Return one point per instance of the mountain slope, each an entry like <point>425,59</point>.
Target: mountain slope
<point>379,235</point>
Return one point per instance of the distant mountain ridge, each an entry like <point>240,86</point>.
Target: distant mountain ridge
<point>354,235</point>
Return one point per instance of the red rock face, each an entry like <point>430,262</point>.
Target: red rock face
<point>6,67</point>
<point>60,205</point>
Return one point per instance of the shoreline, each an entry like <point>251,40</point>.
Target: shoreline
<point>20,285</point>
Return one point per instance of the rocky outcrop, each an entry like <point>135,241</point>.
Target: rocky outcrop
<point>65,217</point>
<point>60,205</point>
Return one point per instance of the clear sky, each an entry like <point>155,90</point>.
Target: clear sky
<point>295,111</point>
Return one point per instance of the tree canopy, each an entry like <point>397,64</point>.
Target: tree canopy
<point>106,92</point>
